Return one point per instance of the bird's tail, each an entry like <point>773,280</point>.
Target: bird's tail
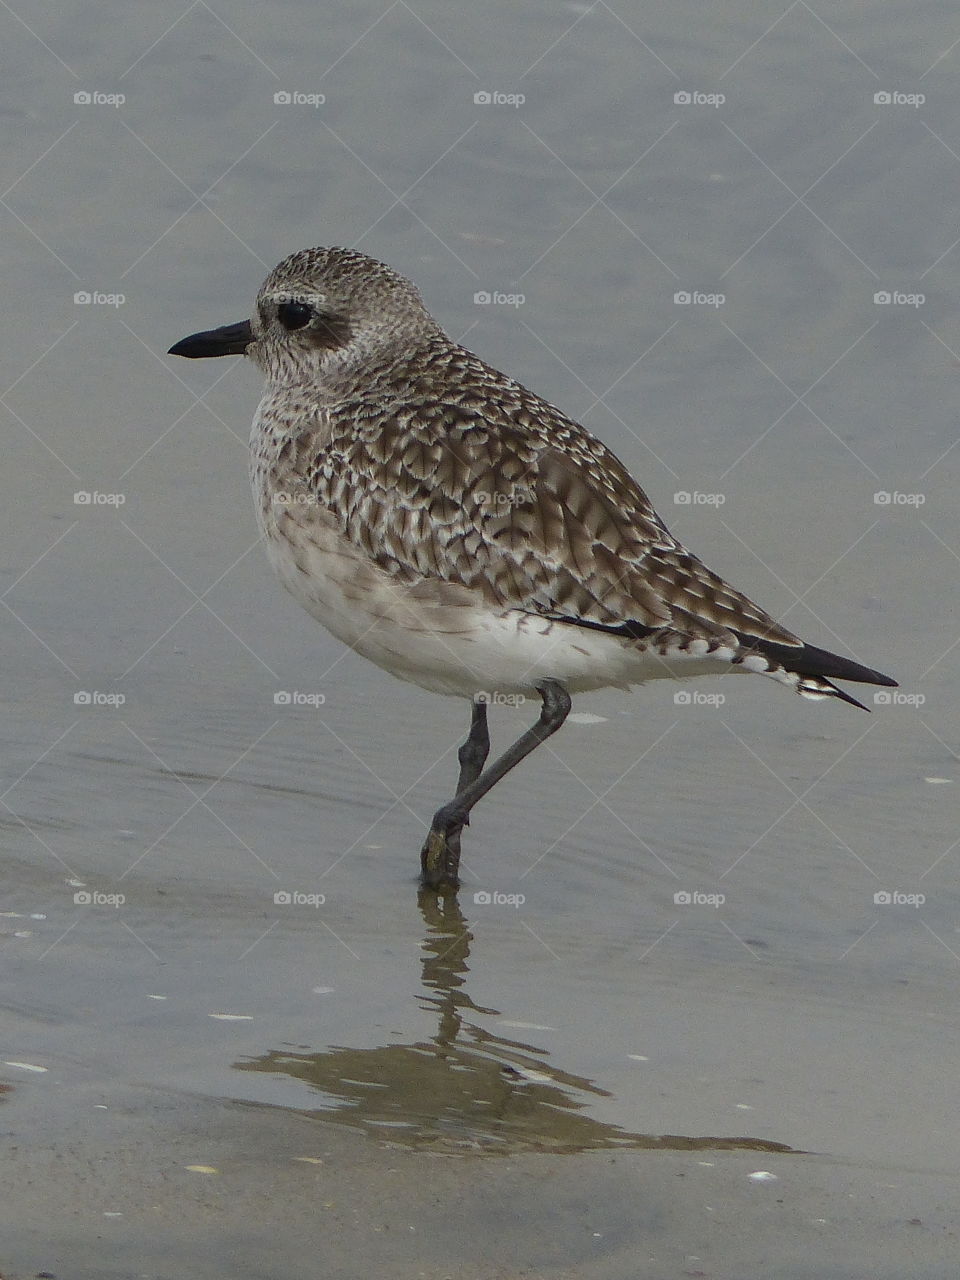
<point>809,670</point>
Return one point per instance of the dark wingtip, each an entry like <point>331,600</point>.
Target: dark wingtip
<point>808,660</point>
<point>846,697</point>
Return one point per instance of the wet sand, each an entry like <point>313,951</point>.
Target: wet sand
<point>98,1194</point>
<point>453,1142</point>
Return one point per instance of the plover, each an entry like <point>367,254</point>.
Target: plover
<point>464,534</point>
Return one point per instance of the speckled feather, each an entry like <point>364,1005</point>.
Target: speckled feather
<point>477,481</point>
<point>439,469</point>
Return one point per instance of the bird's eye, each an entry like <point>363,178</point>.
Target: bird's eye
<point>294,315</point>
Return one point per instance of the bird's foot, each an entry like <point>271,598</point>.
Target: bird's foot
<point>440,855</point>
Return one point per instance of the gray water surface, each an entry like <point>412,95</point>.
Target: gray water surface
<point>599,1014</point>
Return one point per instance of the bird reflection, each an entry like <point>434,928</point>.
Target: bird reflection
<point>466,1088</point>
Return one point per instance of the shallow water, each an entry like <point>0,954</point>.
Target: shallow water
<point>599,1014</point>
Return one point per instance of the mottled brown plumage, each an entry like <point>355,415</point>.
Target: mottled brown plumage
<point>456,528</point>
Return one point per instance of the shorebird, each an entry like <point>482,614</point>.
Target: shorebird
<point>464,534</point>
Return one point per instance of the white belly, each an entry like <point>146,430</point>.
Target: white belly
<point>438,635</point>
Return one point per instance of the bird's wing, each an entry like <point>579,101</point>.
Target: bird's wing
<point>498,490</point>
<point>624,555</point>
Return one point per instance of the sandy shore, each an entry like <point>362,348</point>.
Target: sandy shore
<point>88,1193</point>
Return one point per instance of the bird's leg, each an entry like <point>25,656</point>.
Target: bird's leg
<point>440,856</point>
<point>472,756</point>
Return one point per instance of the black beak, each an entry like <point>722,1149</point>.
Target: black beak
<point>231,340</point>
